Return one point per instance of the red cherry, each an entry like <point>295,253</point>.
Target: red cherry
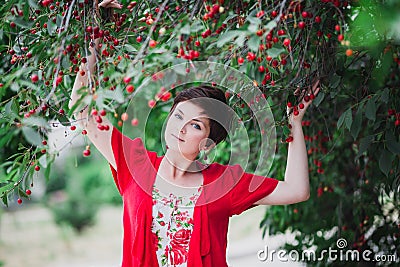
<point>251,56</point>
<point>99,119</point>
<point>240,60</point>
<point>289,139</point>
<point>13,25</point>
<point>19,201</point>
<point>397,123</point>
<point>304,14</point>
<point>59,80</point>
<point>152,43</point>
<point>286,42</point>
<point>261,68</point>
<point>318,19</point>
<point>44,142</point>
<point>152,103</point>
<point>289,104</point>
<point>135,122</point>
<point>86,153</point>
<point>274,13</point>
<point>34,78</point>
<point>28,192</point>
<point>301,106</point>
<point>302,24</point>
<point>281,32</point>
<point>296,112</point>
<point>340,37</point>
<point>337,28</point>
<point>127,80</point>
<point>73,128</point>
<point>124,116</point>
<point>130,88</point>
<point>139,39</point>
<point>197,43</point>
<point>260,13</point>
<point>103,113</point>
<point>37,168</point>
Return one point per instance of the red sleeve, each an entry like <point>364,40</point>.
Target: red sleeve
<point>128,154</point>
<point>249,189</point>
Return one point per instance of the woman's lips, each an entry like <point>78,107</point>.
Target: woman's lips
<point>178,138</point>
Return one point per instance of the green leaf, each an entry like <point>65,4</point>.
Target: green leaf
<point>240,39</point>
<point>254,20</point>
<point>33,4</point>
<point>51,27</point>
<point>4,198</point>
<point>130,48</point>
<point>11,109</point>
<point>335,81</point>
<point>231,16</point>
<point>385,95</point>
<point>318,100</point>
<point>391,143</point>
<point>185,29</point>
<point>364,145</point>
<point>43,161</point>
<point>286,130</point>
<point>370,109</point>
<point>35,121</point>
<point>275,52</point>
<point>345,117</point>
<point>271,25</point>
<point>356,125</point>
<point>227,37</point>
<point>32,136</point>
<point>23,23</point>
<point>197,26</point>
<point>254,43</point>
<point>385,161</point>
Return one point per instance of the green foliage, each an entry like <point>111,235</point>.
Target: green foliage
<point>76,192</point>
<point>352,132</point>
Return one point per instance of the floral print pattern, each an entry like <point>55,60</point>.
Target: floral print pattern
<point>172,226</point>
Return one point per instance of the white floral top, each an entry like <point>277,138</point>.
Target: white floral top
<point>173,224</point>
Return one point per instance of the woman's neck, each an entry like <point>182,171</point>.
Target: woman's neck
<point>179,170</point>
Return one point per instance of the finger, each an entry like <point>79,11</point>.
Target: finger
<point>105,3</point>
<point>315,86</point>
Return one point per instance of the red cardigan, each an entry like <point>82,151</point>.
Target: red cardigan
<point>227,190</point>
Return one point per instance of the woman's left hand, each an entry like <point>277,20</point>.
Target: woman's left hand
<point>304,104</point>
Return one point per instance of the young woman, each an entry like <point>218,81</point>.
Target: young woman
<point>176,210</point>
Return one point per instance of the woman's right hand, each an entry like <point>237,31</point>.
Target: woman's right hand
<point>110,4</point>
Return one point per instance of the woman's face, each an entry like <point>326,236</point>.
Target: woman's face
<point>187,129</point>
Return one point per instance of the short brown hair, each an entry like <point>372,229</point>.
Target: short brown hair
<point>204,96</point>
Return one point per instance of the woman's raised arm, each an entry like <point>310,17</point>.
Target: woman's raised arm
<point>295,188</point>
<point>100,138</point>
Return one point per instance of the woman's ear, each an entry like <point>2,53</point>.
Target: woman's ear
<point>206,144</point>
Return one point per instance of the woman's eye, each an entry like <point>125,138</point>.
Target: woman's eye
<point>178,116</point>
<point>196,126</point>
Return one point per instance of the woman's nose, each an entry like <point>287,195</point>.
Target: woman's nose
<point>183,129</point>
